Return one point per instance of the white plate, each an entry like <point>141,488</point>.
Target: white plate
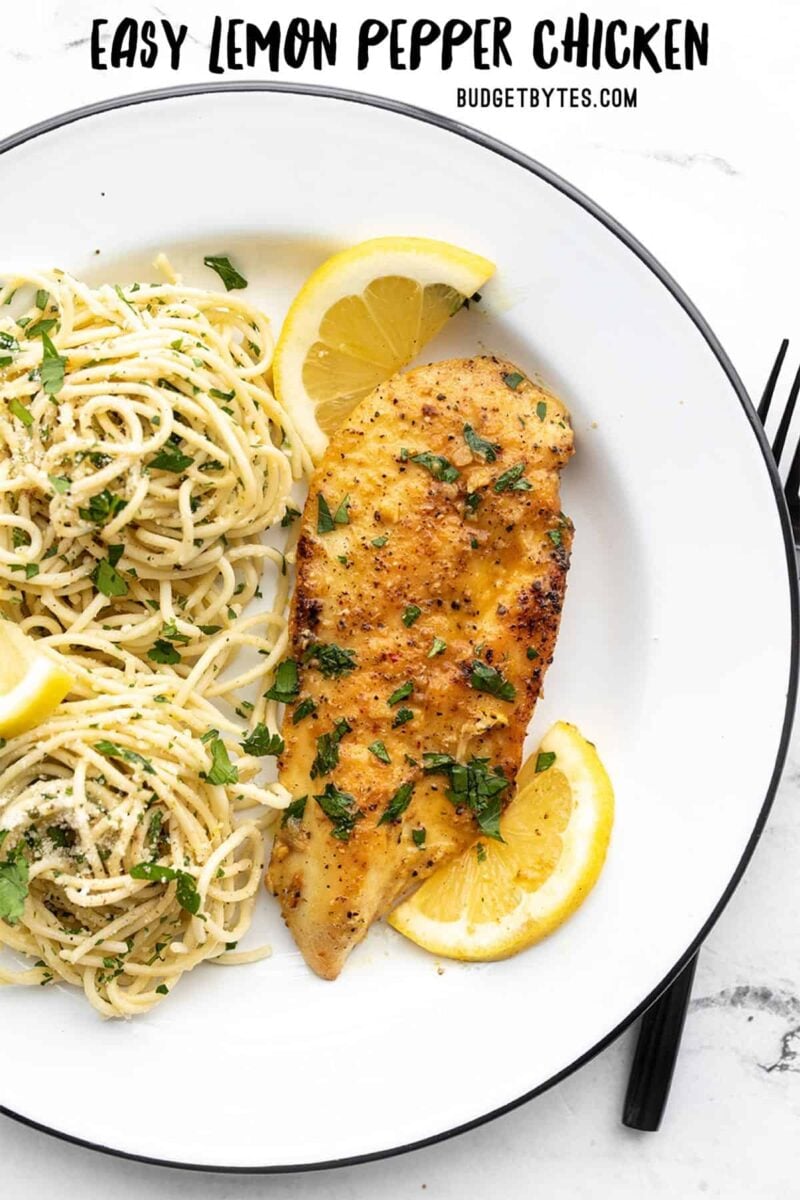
<point>675,655</point>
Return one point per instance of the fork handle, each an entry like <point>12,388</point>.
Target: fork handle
<point>656,1052</point>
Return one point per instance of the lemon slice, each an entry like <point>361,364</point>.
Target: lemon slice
<point>360,317</point>
<point>31,683</point>
<point>497,898</point>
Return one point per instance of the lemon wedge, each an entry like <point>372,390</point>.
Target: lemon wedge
<point>500,897</point>
<point>360,317</point>
<point>31,683</point>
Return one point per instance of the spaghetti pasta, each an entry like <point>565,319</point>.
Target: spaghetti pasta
<point>142,459</point>
<point>142,839</point>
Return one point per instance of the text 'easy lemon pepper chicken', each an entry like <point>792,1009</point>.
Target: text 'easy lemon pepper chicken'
<point>431,572</point>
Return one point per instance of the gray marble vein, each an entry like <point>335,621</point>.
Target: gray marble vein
<point>715,161</point>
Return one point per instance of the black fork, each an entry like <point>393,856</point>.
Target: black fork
<point>791,487</point>
<point>661,1026</point>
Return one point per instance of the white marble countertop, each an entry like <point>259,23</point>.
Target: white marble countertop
<point>705,173</point>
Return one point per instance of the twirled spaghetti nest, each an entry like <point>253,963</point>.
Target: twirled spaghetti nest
<point>143,457</point>
<point>138,828</point>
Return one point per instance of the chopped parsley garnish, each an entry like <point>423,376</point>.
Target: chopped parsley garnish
<point>440,468</point>
<point>40,327</point>
<point>260,742</point>
<point>112,750</point>
<point>7,342</point>
<point>471,502</point>
<point>380,752</point>
<point>105,576</point>
<point>418,836</point>
<point>327,521</point>
<point>555,536</point>
<point>231,278</point>
<point>438,647</point>
<point>480,852</point>
<point>294,811</point>
<point>42,299</point>
<point>402,716</point>
<point>162,990</point>
<point>541,410</point>
<point>342,515</point>
<point>60,483</point>
<point>286,684</point>
<point>52,368</point>
<point>222,770</point>
<point>31,569</point>
<point>332,660</point>
<point>437,764</point>
<point>486,679</point>
<point>163,651</point>
<point>411,614</point>
<point>544,760</point>
<point>401,693</point>
<point>169,458</point>
<point>63,837</point>
<point>341,810</point>
<point>20,412</point>
<point>398,804</point>
<point>102,507</point>
<point>327,757</point>
<point>474,784</point>
<point>488,451</point>
<point>532,653</point>
<point>186,891</point>
<point>123,297</point>
<point>380,541</point>
<point>513,379</point>
<point>290,515</point>
<point>170,387</point>
<point>512,481</point>
<point>13,886</point>
<point>154,828</point>
<point>20,537</point>
<point>172,633</point>
<point>304,709</point>
<point>219,395</point>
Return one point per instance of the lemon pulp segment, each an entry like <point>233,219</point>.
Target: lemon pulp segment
<point>31,683</point>
<point>499,897</point>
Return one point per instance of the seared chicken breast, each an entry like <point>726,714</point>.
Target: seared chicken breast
<point>431,570</point>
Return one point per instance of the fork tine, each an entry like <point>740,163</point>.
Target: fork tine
<point>786,419</point>
<point>791,488</point>
<point>769,390</point>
